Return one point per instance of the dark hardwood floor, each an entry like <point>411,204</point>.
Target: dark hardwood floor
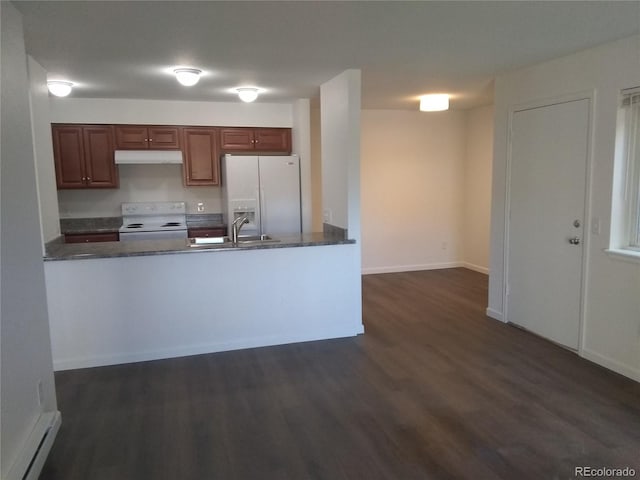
<point>433,390</point>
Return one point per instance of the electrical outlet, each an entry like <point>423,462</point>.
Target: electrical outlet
<point>444,245</point>
<point>326,216</point>
<point>200,207</point>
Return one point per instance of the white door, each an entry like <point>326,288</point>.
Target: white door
<point>549,148</point>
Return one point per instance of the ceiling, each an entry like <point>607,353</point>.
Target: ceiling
<point>404,49</point>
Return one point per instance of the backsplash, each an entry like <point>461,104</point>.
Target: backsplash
<point>138,183</point>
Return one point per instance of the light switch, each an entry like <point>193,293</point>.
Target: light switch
<point>200,207</point>
<point>595,226</point>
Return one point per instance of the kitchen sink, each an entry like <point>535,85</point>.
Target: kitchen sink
<point>226,241</point>
<point>195,242</point>
<point>256,238</point>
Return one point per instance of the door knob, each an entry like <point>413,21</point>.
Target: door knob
<point>574,240</point>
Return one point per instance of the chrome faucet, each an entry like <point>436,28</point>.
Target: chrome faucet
<point>236,226</point>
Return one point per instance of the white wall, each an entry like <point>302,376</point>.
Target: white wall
<point>611,327</point>
<point>164,182</point>
<point>412,198</point>
<point>138,183</point>
<point>43,151</point>
<point>164,112</point>
<point>340,127</point>
<point>476,214</point>
<point>426,189</point>
<point>340,164</point>
<point>25,347</point>
<point>301,143</point>
<point>190,303</point>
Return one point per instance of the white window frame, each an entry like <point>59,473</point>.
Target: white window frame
<point>624,239</point>
<point>631,107</point>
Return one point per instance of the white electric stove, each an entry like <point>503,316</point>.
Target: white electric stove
<point>153,221</point>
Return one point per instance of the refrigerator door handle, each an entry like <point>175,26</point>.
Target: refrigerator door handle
<point>263,212</point>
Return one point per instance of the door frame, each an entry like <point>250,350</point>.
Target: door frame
<point>589,95</point>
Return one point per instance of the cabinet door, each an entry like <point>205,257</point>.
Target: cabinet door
<point>206,232</point>
<point>68,154</point>
<point>99,160</point>
<point>273,140</point>
<point>131,137</point>
<point>201,156</point>
<point>164,138</point>
<point>237,139</point>
<point>91,237</point>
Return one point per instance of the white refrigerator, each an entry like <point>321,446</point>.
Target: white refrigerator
<point>265,189</point>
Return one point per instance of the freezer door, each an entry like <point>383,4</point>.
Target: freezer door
<point>280,195</point>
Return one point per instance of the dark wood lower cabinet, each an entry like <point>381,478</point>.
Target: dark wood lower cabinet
<point>91,237</point>
<point>206,232</point>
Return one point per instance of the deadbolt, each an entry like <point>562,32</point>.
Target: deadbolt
<point>576,223</point>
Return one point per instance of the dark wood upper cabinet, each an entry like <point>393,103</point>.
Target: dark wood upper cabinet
<point>246,139</point>
<point>83,156</point>
<point>68,155</point>
<point>201,156</point>
<point>236,139</point>
<point>144,137</point>
<point>100,167</point>
<point>273,140</point>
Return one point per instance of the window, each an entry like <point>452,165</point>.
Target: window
<point>631,112</point>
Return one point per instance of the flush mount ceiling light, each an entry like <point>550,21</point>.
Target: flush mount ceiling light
<point>59,88</point>
<point>434,102</point>
<point>187,76</point>
<point>247,94</point>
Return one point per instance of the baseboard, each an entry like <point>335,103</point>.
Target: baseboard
<point>495,314</point>
<point>33,454</point>
<point>475,268</point>
<point>119,358</point>
<point>611,364</point>
<point>410,268</point>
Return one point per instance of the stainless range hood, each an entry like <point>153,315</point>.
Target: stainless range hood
<point>147,157</point>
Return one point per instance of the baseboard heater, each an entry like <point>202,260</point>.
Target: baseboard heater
<point>37,447</point>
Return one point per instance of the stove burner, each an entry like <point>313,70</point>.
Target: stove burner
<point>134,225</point>
<point>172,224</point>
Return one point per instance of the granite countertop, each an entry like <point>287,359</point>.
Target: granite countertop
<point>57,250</point>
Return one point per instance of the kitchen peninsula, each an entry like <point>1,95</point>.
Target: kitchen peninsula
<point>146,300</point>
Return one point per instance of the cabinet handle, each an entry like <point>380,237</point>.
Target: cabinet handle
<point>88,179</point>
<point>151,139</point>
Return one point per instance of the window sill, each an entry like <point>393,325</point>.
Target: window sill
<point>624,254</point>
